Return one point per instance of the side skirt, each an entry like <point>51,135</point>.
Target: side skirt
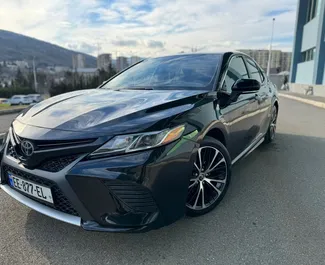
<point>249,149</point>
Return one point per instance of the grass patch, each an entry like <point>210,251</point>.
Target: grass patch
<point>4,106</point>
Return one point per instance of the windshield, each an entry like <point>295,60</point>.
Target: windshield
<point>194,71</point>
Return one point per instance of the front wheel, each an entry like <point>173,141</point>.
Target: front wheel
<point>210,177</point>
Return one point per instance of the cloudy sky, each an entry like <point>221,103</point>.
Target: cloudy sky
<point>152,27</point>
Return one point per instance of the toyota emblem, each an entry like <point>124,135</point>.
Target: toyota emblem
<point>27,148</point>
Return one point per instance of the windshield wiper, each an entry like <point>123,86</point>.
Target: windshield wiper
<point>139,88</point>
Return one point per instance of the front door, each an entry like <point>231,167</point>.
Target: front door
<point>263,96</point>
<point>239,115</point>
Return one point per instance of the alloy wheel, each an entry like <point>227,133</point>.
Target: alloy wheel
<point>208,180</point>
<point>273,123</point>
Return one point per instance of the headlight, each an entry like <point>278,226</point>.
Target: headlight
<point>136,142</point>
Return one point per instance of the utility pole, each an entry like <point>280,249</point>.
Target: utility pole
<point>34,72</point>
<point>270,51</point>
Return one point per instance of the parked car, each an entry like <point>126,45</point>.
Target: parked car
<point>20,100</point>
<point>154,142</point>
<point>35,98</point>
<point>4,101</point>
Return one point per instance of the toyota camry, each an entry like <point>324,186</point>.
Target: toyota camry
<point>155,142</point>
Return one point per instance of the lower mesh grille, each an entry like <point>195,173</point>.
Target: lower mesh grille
<point>135,196</point>
<point>61,203</point>
<point>57,164</point>
<point>11,151</point>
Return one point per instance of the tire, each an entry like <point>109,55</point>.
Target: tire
<point>216,174</point>
<point>270,135</point>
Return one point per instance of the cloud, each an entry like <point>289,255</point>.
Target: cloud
<point>152,27</point>
<point>154,44</point>
<point>125,43</point>
<point>83,47</point>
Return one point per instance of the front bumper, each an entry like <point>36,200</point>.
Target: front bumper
<point>127,193</point>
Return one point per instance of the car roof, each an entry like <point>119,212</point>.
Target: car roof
<point>229,52</point>
<point>188,54</point>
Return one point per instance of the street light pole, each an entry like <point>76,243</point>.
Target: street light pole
<point>34,72</point>
<point>270,51</point>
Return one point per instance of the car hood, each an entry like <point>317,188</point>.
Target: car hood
<point>109,111</point>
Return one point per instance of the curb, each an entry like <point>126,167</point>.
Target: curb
<point>11,111</point>
<point>307,101</point>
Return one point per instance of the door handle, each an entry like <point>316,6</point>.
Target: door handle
<point>259,98</point>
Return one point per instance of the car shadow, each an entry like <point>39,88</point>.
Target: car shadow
<point>261,185</point>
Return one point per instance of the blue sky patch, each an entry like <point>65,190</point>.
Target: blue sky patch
<point>274,13</point>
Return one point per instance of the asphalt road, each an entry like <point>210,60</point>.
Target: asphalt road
<point>274,213</point>
<point>5,121</point>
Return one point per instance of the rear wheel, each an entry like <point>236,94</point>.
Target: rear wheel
<point>270,135</point>
<point>210,177</point>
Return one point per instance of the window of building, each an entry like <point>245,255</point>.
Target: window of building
<point>312,9</point>
<point>308,55</point>
<point>237,70</point>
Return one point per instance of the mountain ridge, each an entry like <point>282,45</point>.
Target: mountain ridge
<point>15,46</point>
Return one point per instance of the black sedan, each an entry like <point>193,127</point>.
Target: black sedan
<point>155,142</point>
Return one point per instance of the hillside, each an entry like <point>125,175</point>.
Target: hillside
<point>15,46</point>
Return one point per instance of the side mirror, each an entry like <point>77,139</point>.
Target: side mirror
<point>246,86</point>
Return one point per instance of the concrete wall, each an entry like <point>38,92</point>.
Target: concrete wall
<point>319,90</point>
<point>309,37</point>
<point>305,73</point>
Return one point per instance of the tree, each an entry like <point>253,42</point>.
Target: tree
<point>74,81</point>
<point>20,80</point>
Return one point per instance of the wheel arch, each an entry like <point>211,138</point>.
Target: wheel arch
<point>217,131</point>
<point>276,104</point>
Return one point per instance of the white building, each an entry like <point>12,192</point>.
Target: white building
<point>134,59</point>
<point>121,63</point>
<point>104,61</point>
<point>78,61</point>
<point>280,61</point>
<point>89,72</point>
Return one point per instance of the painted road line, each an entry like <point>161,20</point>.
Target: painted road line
<point>304,100</point>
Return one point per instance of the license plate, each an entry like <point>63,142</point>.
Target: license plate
<point>30,188</point>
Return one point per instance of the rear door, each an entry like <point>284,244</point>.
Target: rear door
<point>239,114</point>
<point>263,96</point>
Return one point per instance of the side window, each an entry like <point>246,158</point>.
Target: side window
<point>253,70</point>
<point>236,70</point>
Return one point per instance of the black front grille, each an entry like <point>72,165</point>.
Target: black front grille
<point>52,144</point>
<point>57,164</point>
<point>61,203</point>
<point>51,165</point>
<point>136,196</point>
